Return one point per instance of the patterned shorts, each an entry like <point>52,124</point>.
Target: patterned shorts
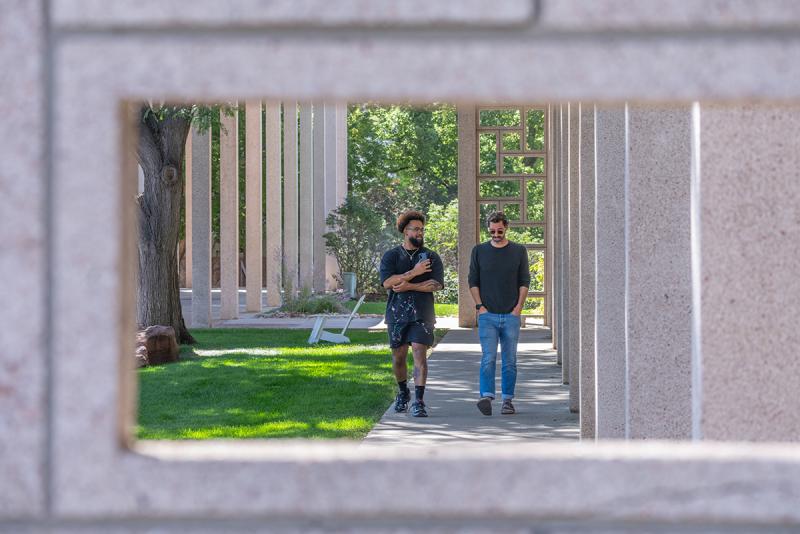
<point>405,333</point>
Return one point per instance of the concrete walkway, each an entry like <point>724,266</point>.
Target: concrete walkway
<point>542,402</point>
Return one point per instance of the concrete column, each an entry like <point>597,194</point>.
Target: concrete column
<point>306,196</point>
<point>331,189</point>
<point>747,213</point>
<point>587,270</point>
<point>253,204</point>
<point>229,215</point>
<point>574,253</point>
<point>274,248</point>
<point>610,348</point>
<point>187,193</point>
<point>563,249</point>
<point>201,228</point>
<point>555,288</point>
<point>291,234</point>
<point>659,272</point>
<point>467,209</point>
<point>341,153</point>
<point>318,242</point>
<point>549,219</point>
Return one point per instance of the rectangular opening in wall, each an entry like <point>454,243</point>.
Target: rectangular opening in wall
<point>261,225</point>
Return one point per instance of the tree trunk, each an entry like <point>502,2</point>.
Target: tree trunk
<point>161,148</point>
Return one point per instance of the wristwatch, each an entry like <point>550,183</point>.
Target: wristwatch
<point>478,306</point>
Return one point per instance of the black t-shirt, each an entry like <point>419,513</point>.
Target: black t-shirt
<point>499,273</point>
<point>410,305</point>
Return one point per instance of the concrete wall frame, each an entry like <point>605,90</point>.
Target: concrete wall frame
<point>98,474</point>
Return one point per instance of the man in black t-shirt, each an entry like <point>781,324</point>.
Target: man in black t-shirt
<point>498,281</point>
<point>411,273</point>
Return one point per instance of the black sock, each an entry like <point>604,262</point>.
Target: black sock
<point>419,392</point>
<point>403,386</point>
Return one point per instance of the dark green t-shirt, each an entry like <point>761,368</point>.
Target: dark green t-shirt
<point>499,273</point>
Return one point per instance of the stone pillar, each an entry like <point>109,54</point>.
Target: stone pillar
<point>560,290</point>
<point>748,217</point>
<point>291,234</point>
<point>659,272</point>
<point>341,153</point>
<point>201,229</point>
<point>467,209</point>
<point>229,215</point>
<point>549,220</point>
<point>306,196</point>
<point>574,305</point>
<point>563,353</point>
<point>331,189</point>
<point>587,272</point>
<point>253,204</point>
<point>555,289</point>
<point>318,242</point>
<point>610,348</point>
<point>274,249</point>
<point>187,193</point>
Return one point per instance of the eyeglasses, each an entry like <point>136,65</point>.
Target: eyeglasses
<point>416,229</point>
<point>498,232</point>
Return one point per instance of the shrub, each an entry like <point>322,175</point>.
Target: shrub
<point>306,303</point>
<point>357,239</point>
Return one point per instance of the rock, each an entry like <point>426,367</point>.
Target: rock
<point>141,356</point>
<point>156,345</point>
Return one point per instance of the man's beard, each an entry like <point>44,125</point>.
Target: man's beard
<point>416,241</point>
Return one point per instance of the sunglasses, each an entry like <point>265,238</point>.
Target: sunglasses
<point>498,232</point>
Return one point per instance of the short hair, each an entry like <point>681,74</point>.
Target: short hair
<point>408,216</point>
<point>497,217</point>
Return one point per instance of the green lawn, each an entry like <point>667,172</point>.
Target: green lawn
<point>253,383</point>
<point>379,308</point>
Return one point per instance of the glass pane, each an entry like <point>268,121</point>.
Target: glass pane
<point>536,265</point>
<point>512,212</point>
<point>535,209</point>
<point>499,188</point>
<point>530,235</point>
<point>512,141</point>
<point>534,306</point>
<point>523,165</point>
<point>534,129</point>
<point>500,117</point>
<point>487,153</point>
<point>485,211</point>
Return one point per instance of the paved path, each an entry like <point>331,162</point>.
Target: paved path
<point>541,400</point>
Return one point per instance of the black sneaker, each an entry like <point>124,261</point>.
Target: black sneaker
<point>485,405</point>
<point>418,409</point>
<point>401,401</point>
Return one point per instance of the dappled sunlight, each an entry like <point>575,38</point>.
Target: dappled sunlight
<point>236,352</point>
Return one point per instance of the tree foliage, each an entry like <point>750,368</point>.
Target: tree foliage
<point>402,157</point>
<point>357,239</point>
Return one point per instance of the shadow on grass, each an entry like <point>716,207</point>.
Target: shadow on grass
<point>267,384</point>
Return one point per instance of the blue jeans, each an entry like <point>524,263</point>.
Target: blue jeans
<point>494,327</point>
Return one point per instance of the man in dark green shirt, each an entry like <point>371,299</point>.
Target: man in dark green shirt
<point>498,280</point>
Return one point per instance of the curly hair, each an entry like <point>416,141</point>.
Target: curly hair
<point>408,216</point>
<point>497,217</point>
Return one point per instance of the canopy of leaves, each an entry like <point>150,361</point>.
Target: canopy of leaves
<point>402,157</point>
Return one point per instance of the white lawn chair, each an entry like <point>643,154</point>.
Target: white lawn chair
<point>318,334</point>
